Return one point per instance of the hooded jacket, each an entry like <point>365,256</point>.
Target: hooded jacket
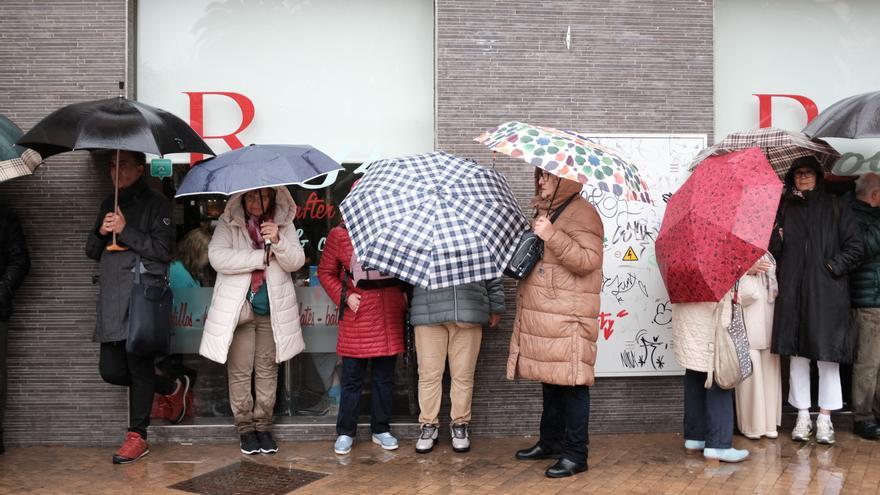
<point>233,257</point>
<point>816,242</point>
<point>557,305</point>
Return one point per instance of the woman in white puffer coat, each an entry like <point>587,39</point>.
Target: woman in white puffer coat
<point>254,315</point>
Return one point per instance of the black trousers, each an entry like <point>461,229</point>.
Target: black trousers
<point>354,371</point>
<point>138,374</point>
<point>708,413</point>
<point>565,421</point>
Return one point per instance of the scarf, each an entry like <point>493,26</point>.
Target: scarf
<point>769,279</point>
<point>257,241</point>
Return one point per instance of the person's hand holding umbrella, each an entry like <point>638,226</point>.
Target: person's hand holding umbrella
<point>544,228</point>
<point>113,223</point>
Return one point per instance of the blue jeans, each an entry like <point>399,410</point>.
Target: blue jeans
<point>354,371</point>
<point>565,421</point>
<point>708,412</point>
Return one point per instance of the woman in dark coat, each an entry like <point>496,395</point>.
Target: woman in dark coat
<point>816,241</point>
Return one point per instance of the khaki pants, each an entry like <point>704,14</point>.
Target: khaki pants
<point>460,342</point>
<point>865,383</point>
<point>252,353</point>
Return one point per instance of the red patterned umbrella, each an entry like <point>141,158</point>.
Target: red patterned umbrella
<point>717,225</point>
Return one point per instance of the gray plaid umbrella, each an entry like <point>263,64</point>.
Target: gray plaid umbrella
<point>15,161</point>
<point>781,147</point>
<point>434,220</point>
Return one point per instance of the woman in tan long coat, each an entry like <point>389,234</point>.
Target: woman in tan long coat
<point>556,327</point>
<point>759,397</point>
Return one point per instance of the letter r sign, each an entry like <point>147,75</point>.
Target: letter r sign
<point>197,118</point>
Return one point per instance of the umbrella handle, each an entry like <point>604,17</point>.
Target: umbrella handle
<point>113,247</point>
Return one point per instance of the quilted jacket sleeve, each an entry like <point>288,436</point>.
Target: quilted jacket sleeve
<point>578,240</point>
<point>288,251</point>
<point>495,289</point>
<point>228,260</point>
<point>329,268</point>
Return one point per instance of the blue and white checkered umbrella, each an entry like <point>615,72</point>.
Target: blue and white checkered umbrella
<point>434,220</point>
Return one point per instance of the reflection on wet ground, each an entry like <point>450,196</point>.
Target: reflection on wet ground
<point>651,463</point>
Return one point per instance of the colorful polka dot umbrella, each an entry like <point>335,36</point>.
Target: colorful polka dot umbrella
<point>717,225</point>
<point>569,155</point>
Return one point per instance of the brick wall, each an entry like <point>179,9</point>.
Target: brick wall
<point>53,53</point>
<point>633,66</point>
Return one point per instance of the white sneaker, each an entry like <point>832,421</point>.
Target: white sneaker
<point>824,430</point>
<point>802,429</point>
<point>460,440</point>
<point>427,439</point>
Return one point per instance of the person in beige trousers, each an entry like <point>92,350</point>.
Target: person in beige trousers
<point>759,397</point>
<point>449,325</point>
<point>254,315</point>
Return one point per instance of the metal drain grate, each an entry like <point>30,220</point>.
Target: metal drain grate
<point>247,478</point>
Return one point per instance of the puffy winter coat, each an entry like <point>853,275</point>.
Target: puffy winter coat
<point>468,303</point>
<point>556,327</point>
<point>376,329</point>
<point>233,257</point>
<point>693,331</point>
<point>820,244</point>
<point>864,281</point>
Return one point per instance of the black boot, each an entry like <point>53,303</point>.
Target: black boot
<point>2,448</point>
<point>536,452</point>
<point>867,429</point>
<point>564,468</point>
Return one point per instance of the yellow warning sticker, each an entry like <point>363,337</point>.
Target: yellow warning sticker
<point>630,255</point>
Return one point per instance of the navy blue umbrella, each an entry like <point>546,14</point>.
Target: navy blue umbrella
<point>254,167</point>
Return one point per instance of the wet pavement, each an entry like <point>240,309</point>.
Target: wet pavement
<point>650,463</point>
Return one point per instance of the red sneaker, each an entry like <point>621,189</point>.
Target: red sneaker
<point>132,449</point>
<point>160,409</point>
<point>176,402</point>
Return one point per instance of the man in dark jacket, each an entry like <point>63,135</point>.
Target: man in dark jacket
<point>449,323</point>
<point>14,265</point>
<point>865,293</point>
<point>142,224</point>
<point>816,242</point>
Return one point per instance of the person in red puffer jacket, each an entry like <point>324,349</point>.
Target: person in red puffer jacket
<point>370,333</point>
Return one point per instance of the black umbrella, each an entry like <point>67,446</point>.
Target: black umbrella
<point>854,117</point>
<point>113,124</point>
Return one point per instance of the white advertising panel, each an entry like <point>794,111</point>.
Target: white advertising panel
<point>354,79</point>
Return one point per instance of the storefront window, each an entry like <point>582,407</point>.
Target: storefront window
<point>308,384</point>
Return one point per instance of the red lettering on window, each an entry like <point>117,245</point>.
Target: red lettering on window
<point>197,118</point>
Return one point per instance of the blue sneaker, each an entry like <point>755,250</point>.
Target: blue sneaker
<point>343,444</point>
<point>726,455</point>
<point>385,440</point>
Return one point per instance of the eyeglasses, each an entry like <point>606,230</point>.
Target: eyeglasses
<point>804,173</point>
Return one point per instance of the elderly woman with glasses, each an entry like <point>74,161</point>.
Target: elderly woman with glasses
<point>253,324</point>
<point>816,241</point>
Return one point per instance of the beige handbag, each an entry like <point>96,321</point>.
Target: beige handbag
<point>733,364</point>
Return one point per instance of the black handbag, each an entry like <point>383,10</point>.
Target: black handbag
<point>149,317</point>
<point>530,249</point>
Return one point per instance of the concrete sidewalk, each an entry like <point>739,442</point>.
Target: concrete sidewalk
<point>649,463</point>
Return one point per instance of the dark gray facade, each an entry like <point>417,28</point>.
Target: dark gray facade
<point>632,67</point>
